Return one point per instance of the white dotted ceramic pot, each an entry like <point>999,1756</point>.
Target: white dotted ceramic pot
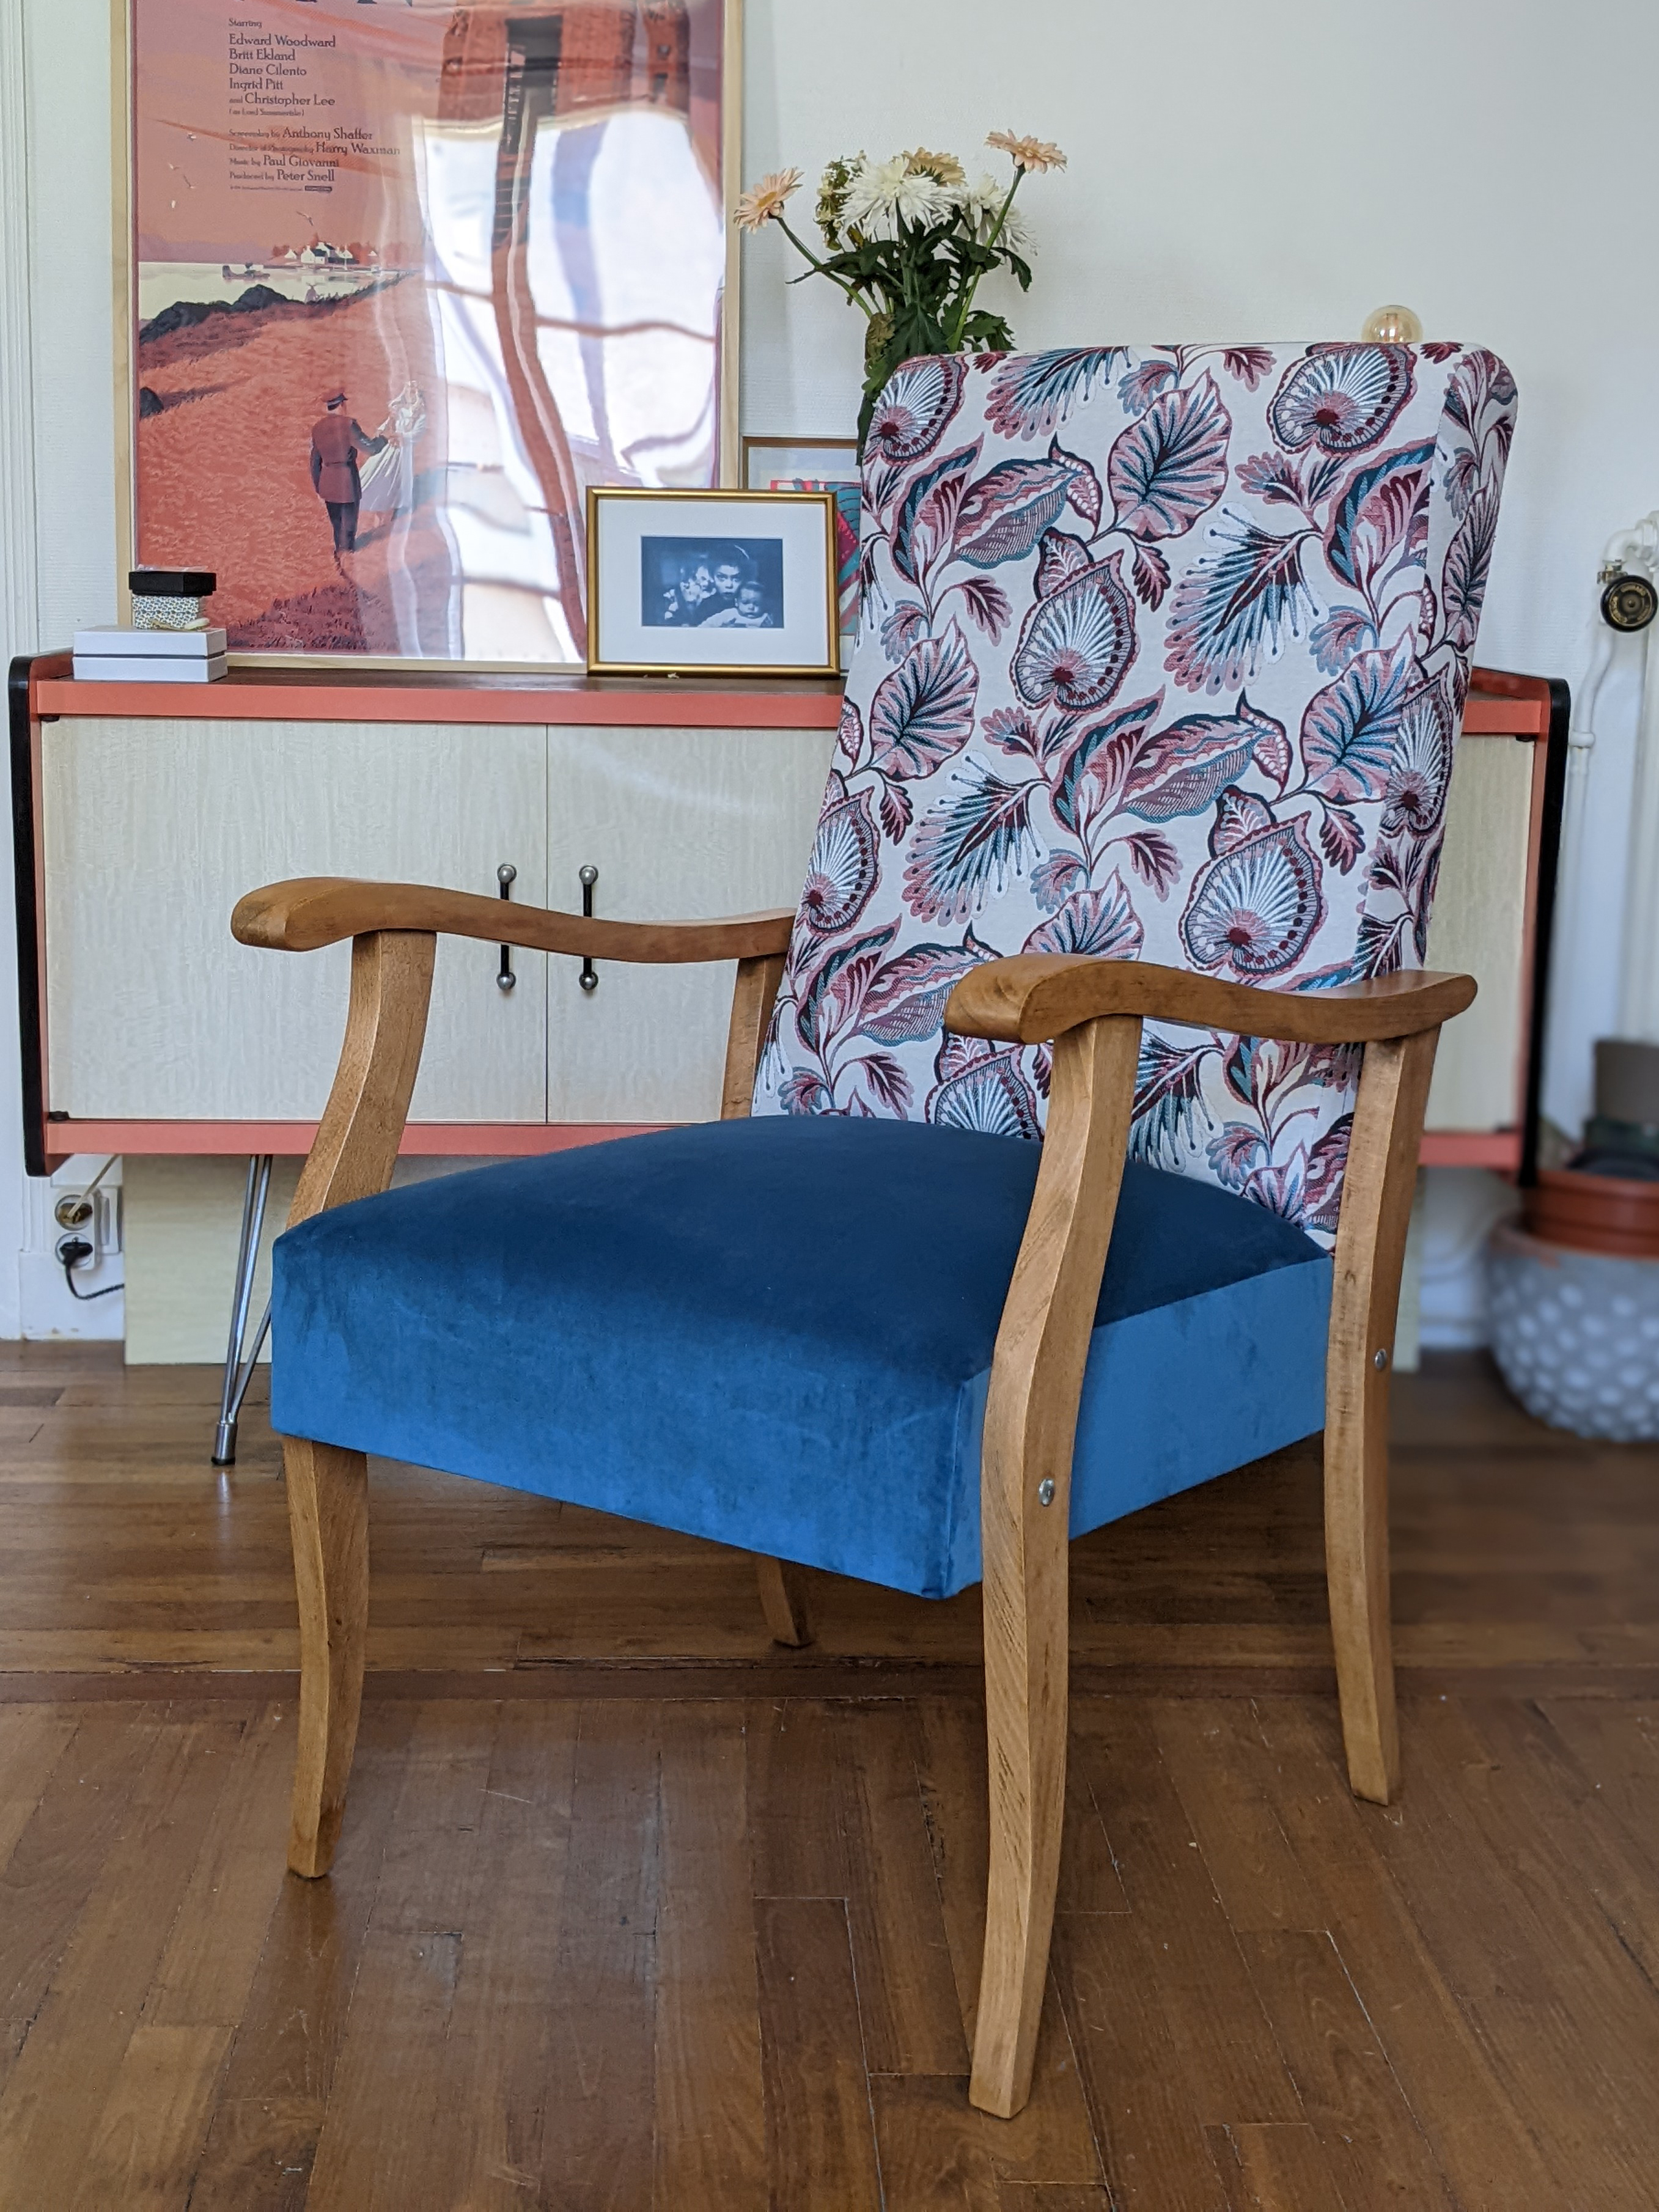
<point>1576,1336</point>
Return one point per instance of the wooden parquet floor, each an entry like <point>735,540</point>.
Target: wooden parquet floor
<point>635,1912</point>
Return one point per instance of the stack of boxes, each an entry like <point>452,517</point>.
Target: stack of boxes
<point>170,641</point>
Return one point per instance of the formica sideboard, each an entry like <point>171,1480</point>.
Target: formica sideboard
<point>142,812</point>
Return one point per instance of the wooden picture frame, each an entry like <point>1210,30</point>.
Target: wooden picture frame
<point>130,517</point>
<point>760,451</point>
<point>781,616</point>
<point>776,463</point>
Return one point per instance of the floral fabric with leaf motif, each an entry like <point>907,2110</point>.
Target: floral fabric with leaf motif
<point>1162,655</point>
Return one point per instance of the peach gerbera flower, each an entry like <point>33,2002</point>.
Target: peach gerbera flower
<point>943,168</point>
<point>1027,153</point>
<point>765,202</point>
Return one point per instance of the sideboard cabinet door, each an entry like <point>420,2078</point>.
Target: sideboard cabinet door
<point>1478,924</point>
<point>154,829</point>
<point>681,825</point>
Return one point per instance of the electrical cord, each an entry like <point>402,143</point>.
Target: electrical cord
<point>71,1251</point>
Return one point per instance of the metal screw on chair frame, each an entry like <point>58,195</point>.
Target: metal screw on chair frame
<point>1379,1360</point>
<point>1046,1491</point>
<point>506,876</point>
<point>587,876</point>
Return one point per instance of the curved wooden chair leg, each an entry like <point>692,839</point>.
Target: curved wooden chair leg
<point>1030,1425</point>
<point>328,1518</point>
<point>783,1599</point>
<point>1370,1251</point>
<point>351,1157</point>
<point>1026,1707</point>
<point>1357,1572</point>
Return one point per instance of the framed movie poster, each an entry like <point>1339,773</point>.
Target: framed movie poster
<point>407,278</point>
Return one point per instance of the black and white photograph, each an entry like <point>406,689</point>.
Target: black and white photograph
<point>693,583</point>
<point>715,583</point>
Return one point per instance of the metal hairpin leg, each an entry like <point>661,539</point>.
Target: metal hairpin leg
<point>239,1365</point>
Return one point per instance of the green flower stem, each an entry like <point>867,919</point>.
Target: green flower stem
<point>808,254</point>
<point>996,232</point>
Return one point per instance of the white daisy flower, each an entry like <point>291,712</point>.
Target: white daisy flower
<point>982,202</point>
<point>881,190</point>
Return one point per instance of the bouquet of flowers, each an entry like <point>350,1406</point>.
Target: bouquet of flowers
<point>909,240</point>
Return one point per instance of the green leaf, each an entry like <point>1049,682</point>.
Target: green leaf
<point>987,333</point>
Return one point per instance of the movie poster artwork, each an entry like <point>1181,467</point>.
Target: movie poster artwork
<point>409,278</point>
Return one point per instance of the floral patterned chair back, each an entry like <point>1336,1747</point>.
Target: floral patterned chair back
<point>1162,655</point>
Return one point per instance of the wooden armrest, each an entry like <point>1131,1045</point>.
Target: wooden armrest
<point>1035,996</point>
<point>317,910</point>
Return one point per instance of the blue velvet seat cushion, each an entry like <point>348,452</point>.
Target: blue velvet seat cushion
<point>778,1334</point>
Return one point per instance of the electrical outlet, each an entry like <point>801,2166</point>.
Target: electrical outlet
<point>75,1250</point>
<point>90,1217</point>
<point>74,1209</point>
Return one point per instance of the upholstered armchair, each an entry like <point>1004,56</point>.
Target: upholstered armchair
<point>1131,837</point>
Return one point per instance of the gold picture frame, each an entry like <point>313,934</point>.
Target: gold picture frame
<point>816,543</point>
<point>126,319</point>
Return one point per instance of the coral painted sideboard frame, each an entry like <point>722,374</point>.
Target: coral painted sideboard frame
<point>1535,710</point>
<point>42,689</point>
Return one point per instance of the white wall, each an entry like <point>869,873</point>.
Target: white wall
<point>58,507</point>
<point>1270,170</point>
<point>17,591</point>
